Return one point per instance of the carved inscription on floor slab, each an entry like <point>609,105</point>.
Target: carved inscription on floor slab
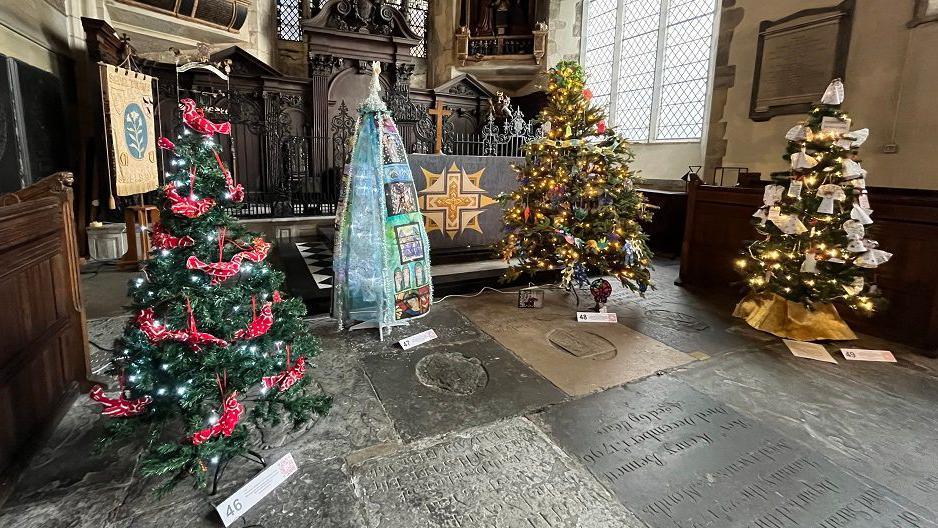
<point>503,475</point>
<point>677,458</point>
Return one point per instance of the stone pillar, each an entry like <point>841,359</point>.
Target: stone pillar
<point>724,77</point>
<point>445,18</point>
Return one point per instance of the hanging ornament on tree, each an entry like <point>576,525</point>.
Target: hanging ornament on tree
<point>165,144</point>
<point>798,132</point>
<point>802,160</point>
<point>600,289</point>
<point>188,206</point>
<point>235,192</point>
<point>288,377</point>
<point>828,193</point>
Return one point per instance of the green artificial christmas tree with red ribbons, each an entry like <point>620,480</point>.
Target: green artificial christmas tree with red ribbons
<point>214,349</point>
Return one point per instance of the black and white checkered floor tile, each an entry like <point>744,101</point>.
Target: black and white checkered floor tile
<point>318,258</point>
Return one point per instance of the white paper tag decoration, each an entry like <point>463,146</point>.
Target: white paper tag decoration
<point>775,212</point>
<point>794,189</point>
<point>857,137</point>
<point>828,193</point>
<point>789,224</point>
<point>872,258</point>
<point>834,124</point>
<point>761,215</point>
<point>810,263</point>
<point>856,286</point>
<point>856,246</point>
<point>834,94</point>
<point>860,214</point>
<point>801,160</point>
<point>864,200</point>
<point>259,487</point>
<point>854,229</point>
<point>797,133</point>
<point>772,194</point>
<point>852,169</point>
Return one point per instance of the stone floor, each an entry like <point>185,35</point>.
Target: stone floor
<point>706,423</point>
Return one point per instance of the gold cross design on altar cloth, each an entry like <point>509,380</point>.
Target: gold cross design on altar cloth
<point>453,200</point>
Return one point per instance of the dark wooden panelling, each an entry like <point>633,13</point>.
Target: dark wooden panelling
<point>719,221</point>
<point>43,352</point>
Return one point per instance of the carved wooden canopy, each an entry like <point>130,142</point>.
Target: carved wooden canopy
<point>360,30</point>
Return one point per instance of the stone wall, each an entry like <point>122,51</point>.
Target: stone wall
<point>892,72</point>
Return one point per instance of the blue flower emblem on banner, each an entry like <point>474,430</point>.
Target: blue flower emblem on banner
<point>135,130</point>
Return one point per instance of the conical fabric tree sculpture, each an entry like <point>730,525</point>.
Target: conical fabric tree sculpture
<point>214,349</point>
<point>576,206</point>
<point>814,224</point>
<point>381,259</point>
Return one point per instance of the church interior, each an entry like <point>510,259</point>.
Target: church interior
<point>468,263</point>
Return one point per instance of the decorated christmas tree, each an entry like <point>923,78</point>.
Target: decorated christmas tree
<point>213,349</point>
<point>576,206</point>
<point>814,248</point>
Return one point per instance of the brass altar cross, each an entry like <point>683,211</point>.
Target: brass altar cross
<point>440,113</point>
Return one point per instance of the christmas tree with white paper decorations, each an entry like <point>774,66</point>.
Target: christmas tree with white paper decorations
<point>213,349</point>
<point>814,224</point>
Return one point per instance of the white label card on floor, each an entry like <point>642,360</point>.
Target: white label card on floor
<point>259,487</point>
<point>418,339</point>
<point>596,317</point>
<point>814,351</point>
<point>862,354</point>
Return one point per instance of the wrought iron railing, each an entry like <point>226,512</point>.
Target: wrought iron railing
<point>505,136</point>
<point>502,45</point>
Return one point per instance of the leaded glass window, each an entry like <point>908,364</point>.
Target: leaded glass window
<point>288,20</point>
<point>648,61</point>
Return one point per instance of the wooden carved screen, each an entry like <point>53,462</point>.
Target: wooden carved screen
<point>43,350</point>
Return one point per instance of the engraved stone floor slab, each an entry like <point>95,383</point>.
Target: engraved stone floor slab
<point>502,475</point>
<point>580,358</point>
<point>877,419</point>
<point>319,494</point>
<point>680,459</point>
<point>425,399</point>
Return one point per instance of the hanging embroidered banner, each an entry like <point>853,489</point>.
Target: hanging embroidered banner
<point>382,256</point>
<point>128,112</point>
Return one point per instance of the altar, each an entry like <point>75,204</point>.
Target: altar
<point>457,195</point>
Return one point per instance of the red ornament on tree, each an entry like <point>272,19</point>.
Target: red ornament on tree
<point>165,144</point>
<point>587,94</point>
<point>289,377</point>
<point>235,192</point>
<point>601,127</point>
<point>195,118</point>
<point>188,206</point>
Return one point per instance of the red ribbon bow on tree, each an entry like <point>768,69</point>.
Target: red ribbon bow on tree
<point>195,118</point>
<point>259,325</point>
<point>289,377</point>
<point>231,414</point>
<point>188,206</point>
<point>165,144</point>
<point>161,238</point>
<point>120,406</point>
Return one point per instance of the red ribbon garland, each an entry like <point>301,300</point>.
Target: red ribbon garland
<point>120,406</point>
<point>195,118</point>
<point>146,321</point>
<point>187,206</point>
<point>221,271</point>
<point>231,414</point>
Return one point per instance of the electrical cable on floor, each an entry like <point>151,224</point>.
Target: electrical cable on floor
<point>552,285</point>
<point>99,347</point>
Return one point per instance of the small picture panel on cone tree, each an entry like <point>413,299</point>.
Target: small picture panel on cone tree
<point>814,247</point>
<point>576,207</point>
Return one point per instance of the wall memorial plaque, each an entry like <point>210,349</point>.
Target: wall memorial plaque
<point>796,58</point>
<point>679,459</point>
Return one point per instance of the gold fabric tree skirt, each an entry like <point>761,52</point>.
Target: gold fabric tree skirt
<point>774,314</point>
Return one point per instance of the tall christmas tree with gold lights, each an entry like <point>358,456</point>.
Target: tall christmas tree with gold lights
<point>814,247</point>
<point>576,206</point>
